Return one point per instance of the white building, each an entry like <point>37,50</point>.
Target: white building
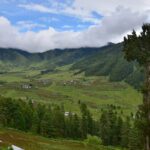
<point>16,148</point>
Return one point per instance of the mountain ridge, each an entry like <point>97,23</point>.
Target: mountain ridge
<point>103,61</point>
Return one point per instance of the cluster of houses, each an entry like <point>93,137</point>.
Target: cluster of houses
<point>45,81</point>
<point>41,82</point>
<point>26,86</point>
<point>71,82</point>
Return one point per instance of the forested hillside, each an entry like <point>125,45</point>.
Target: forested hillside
<point>109,61</point>
<point>49,59</point>
<point>51,121</point>
<point>104,61</point>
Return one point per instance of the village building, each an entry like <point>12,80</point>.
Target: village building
<point>26,86</point>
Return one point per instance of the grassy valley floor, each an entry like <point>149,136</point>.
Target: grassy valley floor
<point>63,86</point>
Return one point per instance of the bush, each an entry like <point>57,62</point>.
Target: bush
<point>93,140</point>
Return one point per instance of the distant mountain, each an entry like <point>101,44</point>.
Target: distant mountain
<point>13,55</point>
<point>52,57</point>
<point>104,61</point>
<point>109,61</point>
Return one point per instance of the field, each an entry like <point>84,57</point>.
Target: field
<point>63,86</point>
<point>32,142</point>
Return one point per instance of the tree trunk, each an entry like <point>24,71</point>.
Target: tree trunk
<point>147,143</point>
<point>146,101</point>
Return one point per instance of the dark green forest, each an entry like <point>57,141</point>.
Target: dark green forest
<point>112,127</point>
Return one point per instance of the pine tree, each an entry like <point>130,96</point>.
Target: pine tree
<point>40,114</point>
<point>86,121</point>
<point>104,128</point>
<point>110,127</point>
<point>58,121</point>
<point>137,48</point>
<point>118,130</point>
<point>28,115</point>
<point>76,127</point>
<point>126,127</point>
<point>46,124</point>
<point>134,140</point>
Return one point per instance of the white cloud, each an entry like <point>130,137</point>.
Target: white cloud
<point>60,8</point>
<point>28,25</point>
<point>67,27</point>
<point>111,28</point>
<point>106,7</point>
<point>83,9</point>
<point>8,33</point>
<point>37,7</point>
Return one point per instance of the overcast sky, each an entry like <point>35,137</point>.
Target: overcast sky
<point>39,25</point>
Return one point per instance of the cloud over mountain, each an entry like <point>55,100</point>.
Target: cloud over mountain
<point>115,23</point>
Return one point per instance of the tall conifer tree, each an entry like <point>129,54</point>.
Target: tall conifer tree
<point>137,48</point>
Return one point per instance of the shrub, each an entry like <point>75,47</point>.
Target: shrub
<point>93,140</point>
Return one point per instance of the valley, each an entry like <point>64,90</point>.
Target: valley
<point>99,78</point>
<point>64,86</point>
<point>74,75</point>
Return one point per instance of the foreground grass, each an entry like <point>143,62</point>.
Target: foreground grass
<point>32,142</point>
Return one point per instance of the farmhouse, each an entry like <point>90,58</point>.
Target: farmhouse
<point>68,113</point>
<point>26,86</point>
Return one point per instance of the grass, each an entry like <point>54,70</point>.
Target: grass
<point>29,141</point>
<point>70,89</point>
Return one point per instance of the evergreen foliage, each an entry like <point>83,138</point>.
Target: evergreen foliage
<point>50,121</point>
<point>137,48</point>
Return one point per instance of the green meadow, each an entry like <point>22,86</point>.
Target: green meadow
<point>67,87</point>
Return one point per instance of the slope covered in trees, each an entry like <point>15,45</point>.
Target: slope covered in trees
<point>48,59</point>
<point>109,61</point>
<point>51,121</point>
<point>104,61</point>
